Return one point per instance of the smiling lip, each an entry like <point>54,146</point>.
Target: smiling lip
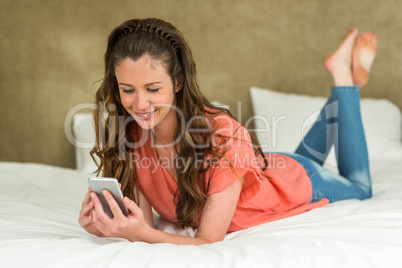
<point>145,116</point>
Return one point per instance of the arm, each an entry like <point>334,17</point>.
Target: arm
<point>215,220</point>
<point>146,208</point>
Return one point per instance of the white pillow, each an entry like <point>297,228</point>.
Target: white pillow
<point>84,134</point>
<point>290,116</point>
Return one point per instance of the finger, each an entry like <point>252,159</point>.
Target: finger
<point>97,223</point>
<point>89,190</point>
<point>87,208</point>
<point>87,199</point>
<point>100,213</point>
<point>85,220</point>
<point>114,207</point>
<point>87,205</point>
<point>131,205</point>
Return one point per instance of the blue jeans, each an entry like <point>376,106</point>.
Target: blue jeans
<point>338,124</point>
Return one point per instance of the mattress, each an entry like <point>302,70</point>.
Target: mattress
<point>39,207</point>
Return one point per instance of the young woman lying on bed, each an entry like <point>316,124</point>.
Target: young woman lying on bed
<point>174,151</point>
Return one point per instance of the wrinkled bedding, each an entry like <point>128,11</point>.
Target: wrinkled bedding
<point>39,207</point>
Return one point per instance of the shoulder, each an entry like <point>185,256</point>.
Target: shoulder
<point>226,129</point>
<point>222,122</point>
<point>230,141</point>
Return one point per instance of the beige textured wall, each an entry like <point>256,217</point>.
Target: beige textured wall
<point>52,51</point>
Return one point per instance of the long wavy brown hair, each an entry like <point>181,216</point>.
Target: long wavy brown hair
<point>161,41</point>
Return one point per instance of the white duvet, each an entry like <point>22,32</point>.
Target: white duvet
<point>39,208</point>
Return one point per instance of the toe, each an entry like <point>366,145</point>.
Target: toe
<point>371,37</point>
<point>366,35</point>
<point>374,39</point>
<point>353,30</point>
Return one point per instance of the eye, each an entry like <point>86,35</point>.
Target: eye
<point>153,90</point>
<point>127,91</point>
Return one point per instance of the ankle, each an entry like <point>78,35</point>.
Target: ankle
<point>343,78</point>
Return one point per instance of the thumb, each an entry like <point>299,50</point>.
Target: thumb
<point>131,205</point>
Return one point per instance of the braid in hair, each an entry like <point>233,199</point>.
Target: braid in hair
<point>152,28</point>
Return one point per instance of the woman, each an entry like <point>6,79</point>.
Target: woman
<point>193,163</point>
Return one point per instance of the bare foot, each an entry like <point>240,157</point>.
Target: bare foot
<point>339,63</point>
<point>363,55</point>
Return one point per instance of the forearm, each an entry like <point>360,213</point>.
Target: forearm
<point>153,236</point>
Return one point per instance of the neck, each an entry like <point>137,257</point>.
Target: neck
<point>163,140</point>
<point>164,133</point>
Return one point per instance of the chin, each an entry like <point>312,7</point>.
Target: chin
<point>145,124</point>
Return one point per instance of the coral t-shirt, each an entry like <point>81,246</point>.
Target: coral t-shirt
<point>286,192</point>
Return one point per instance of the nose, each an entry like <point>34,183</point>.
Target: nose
<point>141,101</point>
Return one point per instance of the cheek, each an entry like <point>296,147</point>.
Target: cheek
<point>125,101</point>
<point>168,98</point>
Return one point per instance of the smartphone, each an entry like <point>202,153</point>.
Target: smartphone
<point>98,184</point>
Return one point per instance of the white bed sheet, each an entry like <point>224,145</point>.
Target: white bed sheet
<point>39,208</point>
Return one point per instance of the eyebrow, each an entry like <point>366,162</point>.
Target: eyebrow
<point>148,84</point>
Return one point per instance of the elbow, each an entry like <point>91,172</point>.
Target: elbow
<point>204,241</point>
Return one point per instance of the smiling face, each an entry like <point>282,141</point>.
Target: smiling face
<point>147,92</point>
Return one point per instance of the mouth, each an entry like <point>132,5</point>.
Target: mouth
<point>145,116</point>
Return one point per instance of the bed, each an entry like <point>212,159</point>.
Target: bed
<point>39,206</point>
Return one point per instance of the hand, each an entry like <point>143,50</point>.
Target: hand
<point>86,217</point>
<point>131,227</point>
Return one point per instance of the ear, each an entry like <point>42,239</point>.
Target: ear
<point>179,83</point>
